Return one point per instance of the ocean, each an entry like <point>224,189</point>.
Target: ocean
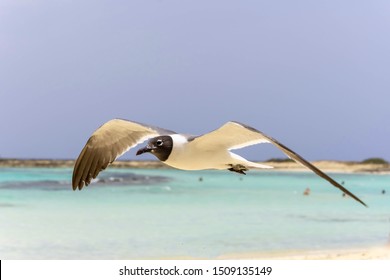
<point>165,214</point>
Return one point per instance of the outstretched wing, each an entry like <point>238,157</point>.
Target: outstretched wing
<point>107,143</point>
<point>235,135</point>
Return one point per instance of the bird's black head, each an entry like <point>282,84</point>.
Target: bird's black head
<point>160,146</point>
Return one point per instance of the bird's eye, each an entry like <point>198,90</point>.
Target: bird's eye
<point>159,142</point>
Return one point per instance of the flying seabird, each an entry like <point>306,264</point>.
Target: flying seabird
<point>208,151</point>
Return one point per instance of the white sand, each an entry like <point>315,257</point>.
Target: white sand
<point>371,253</point>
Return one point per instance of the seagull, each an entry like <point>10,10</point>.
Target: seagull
<point>187,152</point>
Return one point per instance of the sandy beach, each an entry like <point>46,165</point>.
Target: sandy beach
<point>369,253</point>
<point>325,165</point>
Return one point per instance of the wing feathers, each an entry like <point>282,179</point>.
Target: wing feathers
<point>235,135</point>
<point>107,143</point>
<point>230,136</point>
<point>293,155</point>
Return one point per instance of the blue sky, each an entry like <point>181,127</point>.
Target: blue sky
<point>313,74</point>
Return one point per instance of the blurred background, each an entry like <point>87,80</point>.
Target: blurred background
<point>312,74</point>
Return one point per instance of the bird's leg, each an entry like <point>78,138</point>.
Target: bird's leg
<point>239,168</point>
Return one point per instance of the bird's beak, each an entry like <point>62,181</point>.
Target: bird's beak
<point>146,149</point>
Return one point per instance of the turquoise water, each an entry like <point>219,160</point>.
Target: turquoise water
<point>138,214</point>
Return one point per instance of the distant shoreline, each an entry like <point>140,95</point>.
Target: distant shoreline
<point>325,165</point>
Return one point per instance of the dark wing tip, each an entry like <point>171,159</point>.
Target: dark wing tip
<point>77,183</point>
<point>84,167</point>
<point>293,155</point>
<point>317,171</point>
<point>351,194</point>
<point>88,165</point>
<point>77,172</point>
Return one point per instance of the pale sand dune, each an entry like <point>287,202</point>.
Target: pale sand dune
<point>372,253</point>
